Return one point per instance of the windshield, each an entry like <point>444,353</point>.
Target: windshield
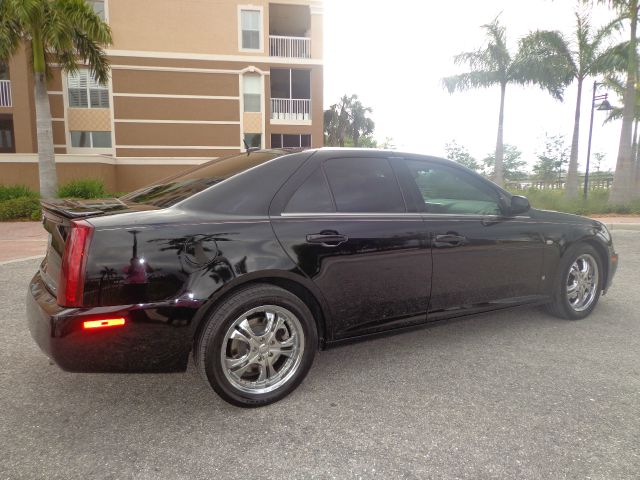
<point>175,189</point>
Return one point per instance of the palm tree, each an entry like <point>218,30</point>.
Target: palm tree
<point>347,118</point>
<point>617,85</point>
<point>493,65</point>
<point>337,121</point>
<point>361,125</point>
<point>64,32</point>
<point>579,58</point>
<point>622,190</point>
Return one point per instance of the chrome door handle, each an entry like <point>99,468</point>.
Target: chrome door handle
<point>449,240</point>
<point>327,239</point>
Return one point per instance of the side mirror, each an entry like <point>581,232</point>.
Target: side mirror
<point>519,204</point>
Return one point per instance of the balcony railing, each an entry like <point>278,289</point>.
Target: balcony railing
<point>5,93</point>
<point>290,47</point>
<point>290,109</point>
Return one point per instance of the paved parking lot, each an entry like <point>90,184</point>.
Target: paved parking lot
<point>510,395</point>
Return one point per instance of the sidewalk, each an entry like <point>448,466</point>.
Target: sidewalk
<point>21,240</point>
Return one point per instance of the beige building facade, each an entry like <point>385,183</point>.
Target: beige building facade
<point>191,80</point>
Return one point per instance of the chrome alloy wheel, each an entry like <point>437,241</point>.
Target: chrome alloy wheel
<point>582,282</point>
<point>262,349</point>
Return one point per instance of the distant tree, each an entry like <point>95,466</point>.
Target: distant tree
<point>64,32</point>
<point>493,65</point>
<point>598,158</point>
<point>551,161</point>
<point>388,144</point>
<point>584,55</point>
<point>512,163</point>
<point>459,154</point>
<point>348,119</point>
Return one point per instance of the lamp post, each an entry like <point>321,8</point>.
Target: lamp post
<point>604,105</point>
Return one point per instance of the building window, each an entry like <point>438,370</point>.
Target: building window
<point>98,7</point>
<point>253,140</point>
<point>83,139</point>
<point>251,27</point>
<point>279,140</point>
<point>251,89</point>
<point>86,92</point>
<point>4,71</point>
<point>7,144</point>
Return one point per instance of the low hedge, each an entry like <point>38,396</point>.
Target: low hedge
<point>21,208</point>
<point>88,188</point>
<point>9,192</point>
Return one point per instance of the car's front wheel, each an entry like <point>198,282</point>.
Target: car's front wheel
<point>257,346</point>
<point>579,284</point>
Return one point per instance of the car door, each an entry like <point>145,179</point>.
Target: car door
<point>343,221</point>
<point>482,259</point>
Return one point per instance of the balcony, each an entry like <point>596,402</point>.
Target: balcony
<point>291,109</point>
<point>289,47</point>
<point>290,95</point>
<point>5,93</point>
<point>289,31</point>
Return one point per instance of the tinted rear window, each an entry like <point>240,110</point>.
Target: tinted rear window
<point>364,185</point>
<point>175,189</point>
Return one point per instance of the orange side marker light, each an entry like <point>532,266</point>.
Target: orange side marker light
<point>110,322</point>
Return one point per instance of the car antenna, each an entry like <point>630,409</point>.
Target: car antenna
<point>248,148</point>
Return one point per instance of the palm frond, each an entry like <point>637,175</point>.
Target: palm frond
<point>469,80</point>
<point>9,32</point>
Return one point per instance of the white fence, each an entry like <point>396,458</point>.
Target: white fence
<point>290,47</point>
<point>290,109</point>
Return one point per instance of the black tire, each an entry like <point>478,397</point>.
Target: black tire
<point>561,306</point>
<point>209,344</point>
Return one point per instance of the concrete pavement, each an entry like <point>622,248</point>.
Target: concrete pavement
<point>515,394</point>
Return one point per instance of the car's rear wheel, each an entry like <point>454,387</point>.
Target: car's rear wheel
<point>579,284</point>
<point>257,346</point>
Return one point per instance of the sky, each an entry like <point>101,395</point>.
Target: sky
<point>393,55</point>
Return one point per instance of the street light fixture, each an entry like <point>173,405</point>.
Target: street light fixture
<point>603,106</point>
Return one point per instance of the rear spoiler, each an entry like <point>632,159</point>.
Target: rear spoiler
<point>72,209</point>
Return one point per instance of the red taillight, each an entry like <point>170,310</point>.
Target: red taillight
<point>71,284</point>
<point>109,322</point>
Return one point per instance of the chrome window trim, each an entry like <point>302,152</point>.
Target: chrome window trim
<point>399,214</point>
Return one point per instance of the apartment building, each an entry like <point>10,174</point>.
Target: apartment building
<point>191,80</point>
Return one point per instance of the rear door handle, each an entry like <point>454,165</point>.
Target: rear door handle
<point>449,240</point>
<point>327,239</point>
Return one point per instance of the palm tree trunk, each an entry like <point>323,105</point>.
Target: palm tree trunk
<point>572,172</point>
<point>44,129</point>
<point>498,175</point>
<point>622,189</point>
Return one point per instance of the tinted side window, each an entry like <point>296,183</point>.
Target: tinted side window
<point>444,190</point>
<point>364,185</point>
<point>312,196</point>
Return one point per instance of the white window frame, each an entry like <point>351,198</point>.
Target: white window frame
<point>260,93</point>
<point>89,150</point>
<point>257,8</point>
<point>90,85</point>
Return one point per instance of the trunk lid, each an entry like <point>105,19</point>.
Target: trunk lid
<point>57,215</point>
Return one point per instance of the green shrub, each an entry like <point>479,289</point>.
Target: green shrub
<point>88,188</point>
<point>8,192</point>
<point>23,208</point>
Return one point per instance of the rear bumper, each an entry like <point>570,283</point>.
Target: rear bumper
<point>155,338</point>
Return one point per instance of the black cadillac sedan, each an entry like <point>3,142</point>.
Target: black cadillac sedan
<point>253,262</point>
